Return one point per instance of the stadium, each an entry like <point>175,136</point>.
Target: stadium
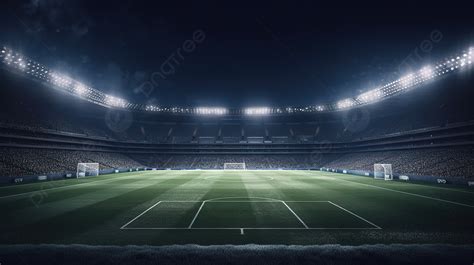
<point>92,177</point>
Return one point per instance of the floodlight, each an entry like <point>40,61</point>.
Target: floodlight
<point>115,101</point>
<point>407,80</point>
<point>370,96</point>
<point>345,103</point>
<point>60,80</point>
<point>38,71</point>
<point>210,111</point>
<point>320,108</point>
<point>257,111</point>
<point>80,89</point>
<point>152,108</point>
<point>427,72</point>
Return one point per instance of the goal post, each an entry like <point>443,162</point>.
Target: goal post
<point>234,166</point>
<point>87,170</point>
<point>383,171</point>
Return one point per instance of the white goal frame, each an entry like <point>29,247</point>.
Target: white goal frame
<point>383,171</point>
<point>87,170</point>
<point>234,166</point>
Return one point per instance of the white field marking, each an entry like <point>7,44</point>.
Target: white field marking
<point>124,227</point>
<point>241,231</point>
<point>262,198</point>
<point>417,184</point>
<point>138,216</point>
<point>306,201</point>
<point>358,216</point>
<point>179,201</point>
<point>197,213</point>
<point>439,188</point>
<point>234,201</point>
<point>297,217</point>
<point>409,193</point>
<point>64,187</point>
<point>251,228</point>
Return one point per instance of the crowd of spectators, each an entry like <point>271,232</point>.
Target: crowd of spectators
<point>447,162</point>
<point>217,161</point>
<point>24,162</point>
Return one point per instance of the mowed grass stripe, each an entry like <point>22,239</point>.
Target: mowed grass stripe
<point>89,217</point>
<point>356,199</point>
<point>239,185</point>
<point>80,194</point>
<point>26,189</point>
<point>18,191</point>
<point>427,190</point>
<point>301,189</point>
<point>117,187</point>
<point>420,191</point>
<point>415,194</point>
<point>94,213</point>
<point>251,191</point>
<point>178,192</point>
<point>64,201</point>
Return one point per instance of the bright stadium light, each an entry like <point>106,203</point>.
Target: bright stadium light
<point>115,101</point>
<point>455,62</point>
<point>60,80</point>
<point>345,103</point>
<point>320,108</point>
<point>257,111</point>
<point>21,64</point>
<point>427,72</point>
<point>80,89</point>
<point>210,111</point>
<point>407,80</point>
<point>152,108</point>
<point>370,96</point>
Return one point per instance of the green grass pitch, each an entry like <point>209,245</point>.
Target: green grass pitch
<point>234,207</point>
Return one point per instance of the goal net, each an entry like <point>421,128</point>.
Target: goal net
<point>87,169</point>
<point>234,166</point>
<point>383,171</point>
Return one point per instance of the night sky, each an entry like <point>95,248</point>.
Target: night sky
<point>234,55</point>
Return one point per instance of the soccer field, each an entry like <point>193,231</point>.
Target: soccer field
<point>235,207</point>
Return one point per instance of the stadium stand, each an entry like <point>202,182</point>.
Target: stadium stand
<point>417,134</point>
<point>23,162</point>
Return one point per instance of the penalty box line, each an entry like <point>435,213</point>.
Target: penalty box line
<point>196,215</point>
<point>358,216</point>
<point>297,217</point>
<point>140,215</point>
<point>374,226</point>
<point>289,208</point>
